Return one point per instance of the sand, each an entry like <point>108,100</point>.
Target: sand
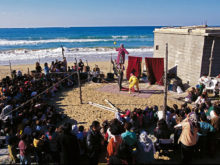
<point>69,102</point>
<point>68,99</point>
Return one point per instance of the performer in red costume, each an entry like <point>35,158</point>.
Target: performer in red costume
<point>121,55</point>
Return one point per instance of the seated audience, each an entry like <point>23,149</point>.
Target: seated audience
<point>145,149</point>
<point>128,136</point>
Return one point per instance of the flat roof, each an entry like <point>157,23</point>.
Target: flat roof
<point>190,30</point>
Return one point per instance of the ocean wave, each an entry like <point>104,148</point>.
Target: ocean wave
<point>24,56</point>
<point>116,37</point>
<point>4,42</point>
<point>35,42</point>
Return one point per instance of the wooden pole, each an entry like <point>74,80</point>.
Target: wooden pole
<point>79,83</point>
<point>211,57</point>
<point>111,64</point>
<point>87,67</point>
<point>111,105</point>
<point>10,68</point>
<point>39,58</point>
<point>102,107</point>
<point>165,84</point>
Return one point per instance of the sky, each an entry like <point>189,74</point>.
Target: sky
<point>80,13</point>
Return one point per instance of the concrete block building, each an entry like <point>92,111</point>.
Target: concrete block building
<point>193,51</point>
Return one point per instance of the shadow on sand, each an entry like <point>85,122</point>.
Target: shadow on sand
<point>55,101</point>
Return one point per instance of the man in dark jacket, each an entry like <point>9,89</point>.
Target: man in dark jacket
<point>94,143</point>
<point>68,146</point>
<point>81,65</point>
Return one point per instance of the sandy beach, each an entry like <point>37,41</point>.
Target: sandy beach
<point>68,99</point>
<point>152,89</point>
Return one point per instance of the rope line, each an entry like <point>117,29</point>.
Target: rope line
<point>38,95</point>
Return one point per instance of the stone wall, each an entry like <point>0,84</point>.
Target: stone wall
<point>215,70</point>
<point>184,51</point>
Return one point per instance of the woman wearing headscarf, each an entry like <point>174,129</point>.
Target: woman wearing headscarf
<point>145,149</point>
<point>188,137</point>
<point>121,55</point>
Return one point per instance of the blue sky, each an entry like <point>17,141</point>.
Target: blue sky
<point>66,13</point>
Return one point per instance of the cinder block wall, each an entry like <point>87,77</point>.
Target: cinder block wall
<point>185,51</point>
<point>215,70</point>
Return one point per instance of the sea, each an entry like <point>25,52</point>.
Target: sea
<point>29,45</point>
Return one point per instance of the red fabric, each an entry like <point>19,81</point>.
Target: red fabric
<point>113,145</point>
<point>126,89</point>
<point>134,65</point>
<point>155,68</point>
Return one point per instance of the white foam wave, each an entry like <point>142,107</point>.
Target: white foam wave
<point>35,42</point>
<point>24,56</point>
<point>115,37</point>
<point>4,42</point>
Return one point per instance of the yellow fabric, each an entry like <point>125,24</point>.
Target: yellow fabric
<point>12,154</point>
<point>1,94</point>
<point>36,142</point>
<point>133,81</point>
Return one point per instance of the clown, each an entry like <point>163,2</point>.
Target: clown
<point>121,55</point>
<point>133,81</point>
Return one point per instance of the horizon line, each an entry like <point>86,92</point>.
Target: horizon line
<point>81,26</point>
<point>103,26</point>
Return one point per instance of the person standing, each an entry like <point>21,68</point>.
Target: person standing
<point>121,55</point>
<point>46,69</point>
<point>11,142</point>
<point>94,143</point>
<point>81,65</point>
<point>23,147</point>
<point>215,122</point>
<point>128,136</point>
<point>38,67</point>
<point>68,146</point>
<point>205,130</point>
<point>188,137</point>
<point>115,140</point>
<point>133,81</point>
<point>65,63</point>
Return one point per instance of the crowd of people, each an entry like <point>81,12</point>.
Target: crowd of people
<point>199,93</point>
<point>35,131</point>
<point>25,115</point>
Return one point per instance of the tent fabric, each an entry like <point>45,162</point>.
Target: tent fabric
<point>134,65</point>
<point>155,68</point>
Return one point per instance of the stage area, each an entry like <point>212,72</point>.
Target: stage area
<point>146,90</point>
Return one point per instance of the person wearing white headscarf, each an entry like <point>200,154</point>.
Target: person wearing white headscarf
<point>145,149</point>
<point>19,73</point>
<point>188,137</point>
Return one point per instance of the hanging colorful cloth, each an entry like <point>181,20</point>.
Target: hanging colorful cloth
<point>155,67</point>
